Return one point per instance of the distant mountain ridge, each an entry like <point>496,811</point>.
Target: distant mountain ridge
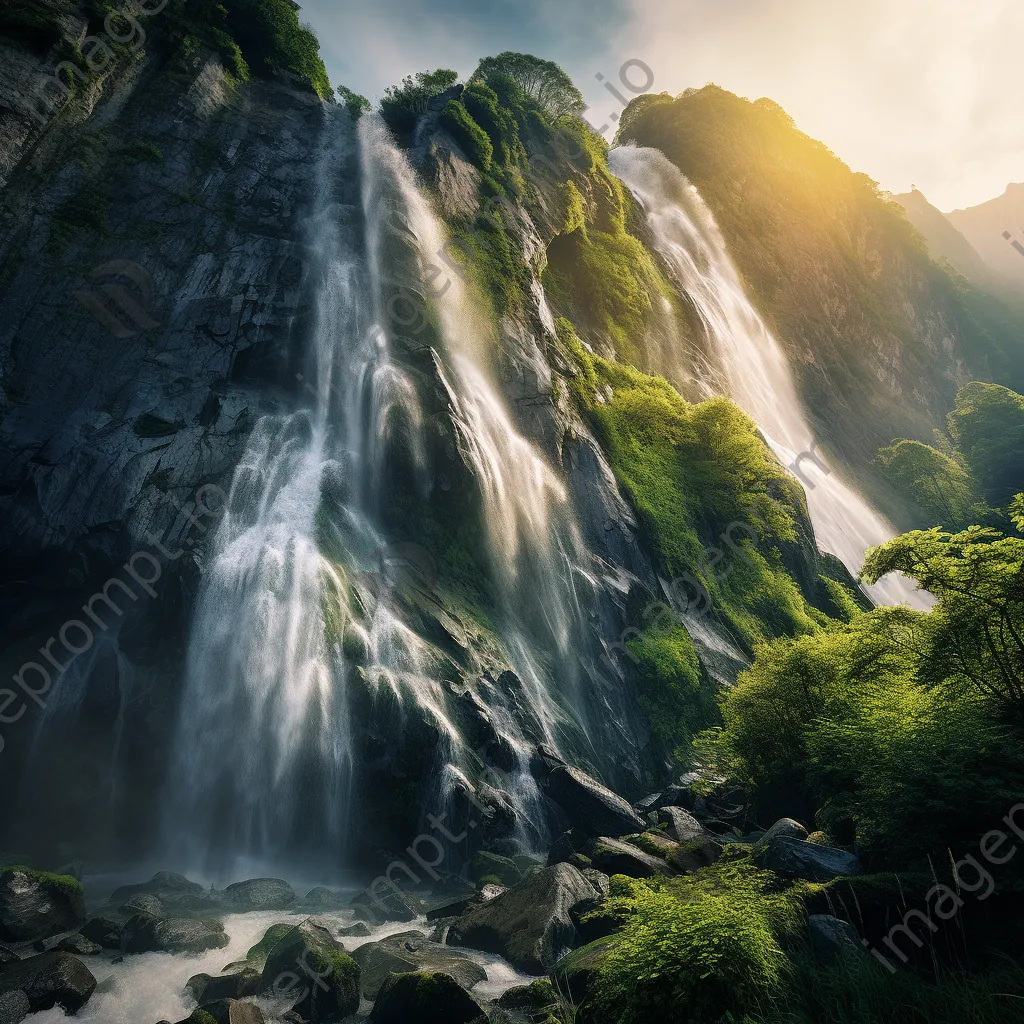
<point>984,227</point>
<point>946,242</point>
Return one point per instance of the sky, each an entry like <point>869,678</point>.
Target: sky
<point>913,92</point>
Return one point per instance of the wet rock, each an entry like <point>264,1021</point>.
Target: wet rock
<point>322,899</point>
<point>530,1000</point>
<point>493,868</point>
<point>205,988</point>
<point>177,894</point>
<point>530,924</point>
<point>454,909</point>
<point>575,974</point>
<point>796,858</point>
<point>380,903</point>
<point>568,845</point>
<point>425,998</point>
<point>830,936</point>
<point>402,954</point>
<point>34,905</point>
<point>50,979</point>
<point>589,806</point>
<point>307,963</point>
<point>259,894</point>
<point>256,957</point>
<point>230,1011</point>
<point>14,1007</point>
<point>7,955</point>
<point>79,945</point>
<point>104,931</point>
<point>694,855</point>
<point>784,828</point>
<point>143,903</point>
<point>683,827</point>
<point>145,934</point>
<point>615,857</point>
<point>360,931</point>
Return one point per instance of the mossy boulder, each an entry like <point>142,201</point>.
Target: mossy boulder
<point>206,988</point>
<point>35,904</point>
<point>410,952</point>
<point>494,869</point>
<point>615,857</point>
<point>577,972</point>
<point>426,998</point>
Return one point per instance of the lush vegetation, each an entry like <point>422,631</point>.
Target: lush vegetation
<point>401,105</point>
<point>542,81</point>
<point>799,224</point>
<point>702,481</point>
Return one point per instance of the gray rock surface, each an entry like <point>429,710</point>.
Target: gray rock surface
<point>795,858</point>
<point>34,906</point>
<point>530,924</point>
<point>591,807</point>
<point>50,979</point>
<point>401,954</point>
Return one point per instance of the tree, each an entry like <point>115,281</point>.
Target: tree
<point>401,105</point>
<point>975,635</point>
<point>355,104</point>
<point>987,426</point>
<point>937,483</point>
<point>542,80</point>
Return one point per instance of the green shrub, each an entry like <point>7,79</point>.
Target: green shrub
<point>542,81</point>
<point>401,105</point>
<point>468,134</point>
<point>694,948</point>
<point>355,104</point>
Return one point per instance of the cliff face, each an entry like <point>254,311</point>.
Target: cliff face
<point>881,338</point>
<point>163,290</point>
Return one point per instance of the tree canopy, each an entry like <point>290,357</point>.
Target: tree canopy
<point>542,80</point>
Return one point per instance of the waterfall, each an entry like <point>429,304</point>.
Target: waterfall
<point>294,601</point>
<point>751,366</point>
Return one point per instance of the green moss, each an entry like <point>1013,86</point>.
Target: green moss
<point>67,885</point>
<point>202,1017</point>
<point>575,210</point>
<point>674,694</point>
<point>705,486</point>
<point>473,140</point>
<point>140,151</point>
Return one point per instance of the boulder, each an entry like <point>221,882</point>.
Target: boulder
<point>360,931</point>
<point>377,904</point>
<point>454,909</point>
<point>796,858</point>
<point>694,855</point>
<point>786,828</point>
<point>493,868</point>
<point>307,963</point>
<point>589,806</point>
<point>598,879</point>
<point>145,934</point>
<point>574,975</point>
<point>48,980</point>
<point>14,1006</point>
<point>425,998</point>
<point>79,945</point>
<point>322,899</point>
<point>35,905</point>
<point>256,957</point>
<point>143,903</point>
<point>206,988</point>
<point>7,956</point>
<point>614,857</point>
<point>683,827</point>
<point>529,925</point>
<point>259,894</point>
<point>406,953</point>
<point>104,931</point>
<point>830,936</point>
<point>174,890</point>
<point>657,844</point>
<point>532,1001</point>
<point>568,845</point>
<point>229,1011</point>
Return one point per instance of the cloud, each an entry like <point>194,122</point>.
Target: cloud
<point>923,91</point>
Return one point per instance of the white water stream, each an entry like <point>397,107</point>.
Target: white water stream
<point>752,368</point>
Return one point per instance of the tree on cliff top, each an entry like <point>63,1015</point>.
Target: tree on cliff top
<point>541,80</point>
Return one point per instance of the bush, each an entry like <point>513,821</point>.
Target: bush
<point>401,105</point>
<point>694,947</point>
<point>468,134</point>
<point>355,104</point>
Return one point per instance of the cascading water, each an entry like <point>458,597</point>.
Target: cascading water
<point>264,758</point>
<point>753,369</point>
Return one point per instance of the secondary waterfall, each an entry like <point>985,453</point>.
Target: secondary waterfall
<point>753,368</point>
<point>292,598</point>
